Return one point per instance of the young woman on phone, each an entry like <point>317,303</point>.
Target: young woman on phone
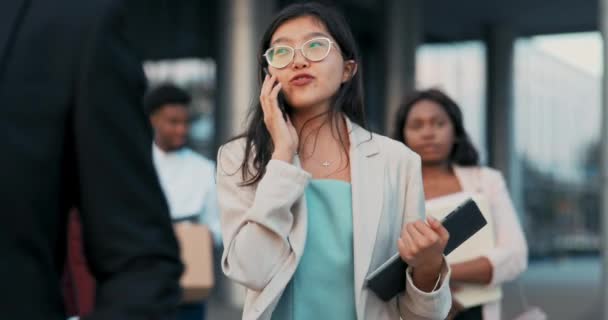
<point>311,202</point>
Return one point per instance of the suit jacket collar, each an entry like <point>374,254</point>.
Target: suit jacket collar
<point>367,181</point>
<point>361,139</point>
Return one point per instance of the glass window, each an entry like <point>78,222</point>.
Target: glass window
<point>557,111</point>
<point>458,69</point>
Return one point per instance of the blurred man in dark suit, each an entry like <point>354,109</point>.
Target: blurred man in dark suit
<point>73,134</point>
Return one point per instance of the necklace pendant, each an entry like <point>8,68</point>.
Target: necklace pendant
<point>326,164</point>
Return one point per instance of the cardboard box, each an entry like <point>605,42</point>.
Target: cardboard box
<point>196,246</point>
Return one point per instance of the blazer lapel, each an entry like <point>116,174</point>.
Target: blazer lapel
<point>11,12</point>
<point>466,178</point>
<point>367,180</point>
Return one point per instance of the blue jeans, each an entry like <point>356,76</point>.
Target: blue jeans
<point>192,311</point>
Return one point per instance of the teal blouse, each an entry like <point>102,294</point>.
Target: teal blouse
<point>323,284</point>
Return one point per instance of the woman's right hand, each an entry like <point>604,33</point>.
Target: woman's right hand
<point>283,133</point>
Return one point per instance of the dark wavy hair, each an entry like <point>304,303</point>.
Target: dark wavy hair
<point>348,100</point>
<point>165,94</point>
<point>463,153</point>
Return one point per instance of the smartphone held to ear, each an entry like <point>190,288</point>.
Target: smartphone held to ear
<point>280,99</point>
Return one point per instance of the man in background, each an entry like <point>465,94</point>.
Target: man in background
<point>187,178</point>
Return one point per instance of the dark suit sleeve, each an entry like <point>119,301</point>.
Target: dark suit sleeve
<point>129,240</point>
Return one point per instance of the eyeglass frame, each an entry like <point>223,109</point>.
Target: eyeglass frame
<point>293,55</point>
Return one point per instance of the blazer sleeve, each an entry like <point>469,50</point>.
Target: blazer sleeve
<point>256,220</point>
<point>129,241</point>
<point>509,257</point>
<point>414,303</point>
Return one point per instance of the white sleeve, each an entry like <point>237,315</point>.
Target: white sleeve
<point>414,303</point>
<point>256,220</point>
<point>509,257</point>
<point>210,215</point>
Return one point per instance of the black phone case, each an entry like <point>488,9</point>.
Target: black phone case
<point>388,280</point>
<point>280,99</point>
<point>282,105</point>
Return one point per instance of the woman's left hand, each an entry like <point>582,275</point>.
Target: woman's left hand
<point>421,246</point>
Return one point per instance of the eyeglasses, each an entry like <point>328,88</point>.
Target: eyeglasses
<point>313,50</point>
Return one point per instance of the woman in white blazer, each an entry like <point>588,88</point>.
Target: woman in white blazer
<point>431,124</point>
<point>311,202</point>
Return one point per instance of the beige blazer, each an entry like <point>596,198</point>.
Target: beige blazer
<point>509,257</point>
<point>264,226</point>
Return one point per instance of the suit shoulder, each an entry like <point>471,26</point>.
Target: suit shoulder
<point>487,177</point>
<point>233,147</point>
<point>491,174</point>
<point>493,179</point>
<point>396,150</point>
<point>231,155</point>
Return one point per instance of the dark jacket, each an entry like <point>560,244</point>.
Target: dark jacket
<point>73,134</point>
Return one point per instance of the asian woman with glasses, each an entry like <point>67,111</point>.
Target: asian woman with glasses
<point>311,202</point>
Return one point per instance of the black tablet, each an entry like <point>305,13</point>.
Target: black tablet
<point>388,280</point>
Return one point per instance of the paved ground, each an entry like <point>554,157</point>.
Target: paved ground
<point>565,290</point>
<point>218,309</point>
